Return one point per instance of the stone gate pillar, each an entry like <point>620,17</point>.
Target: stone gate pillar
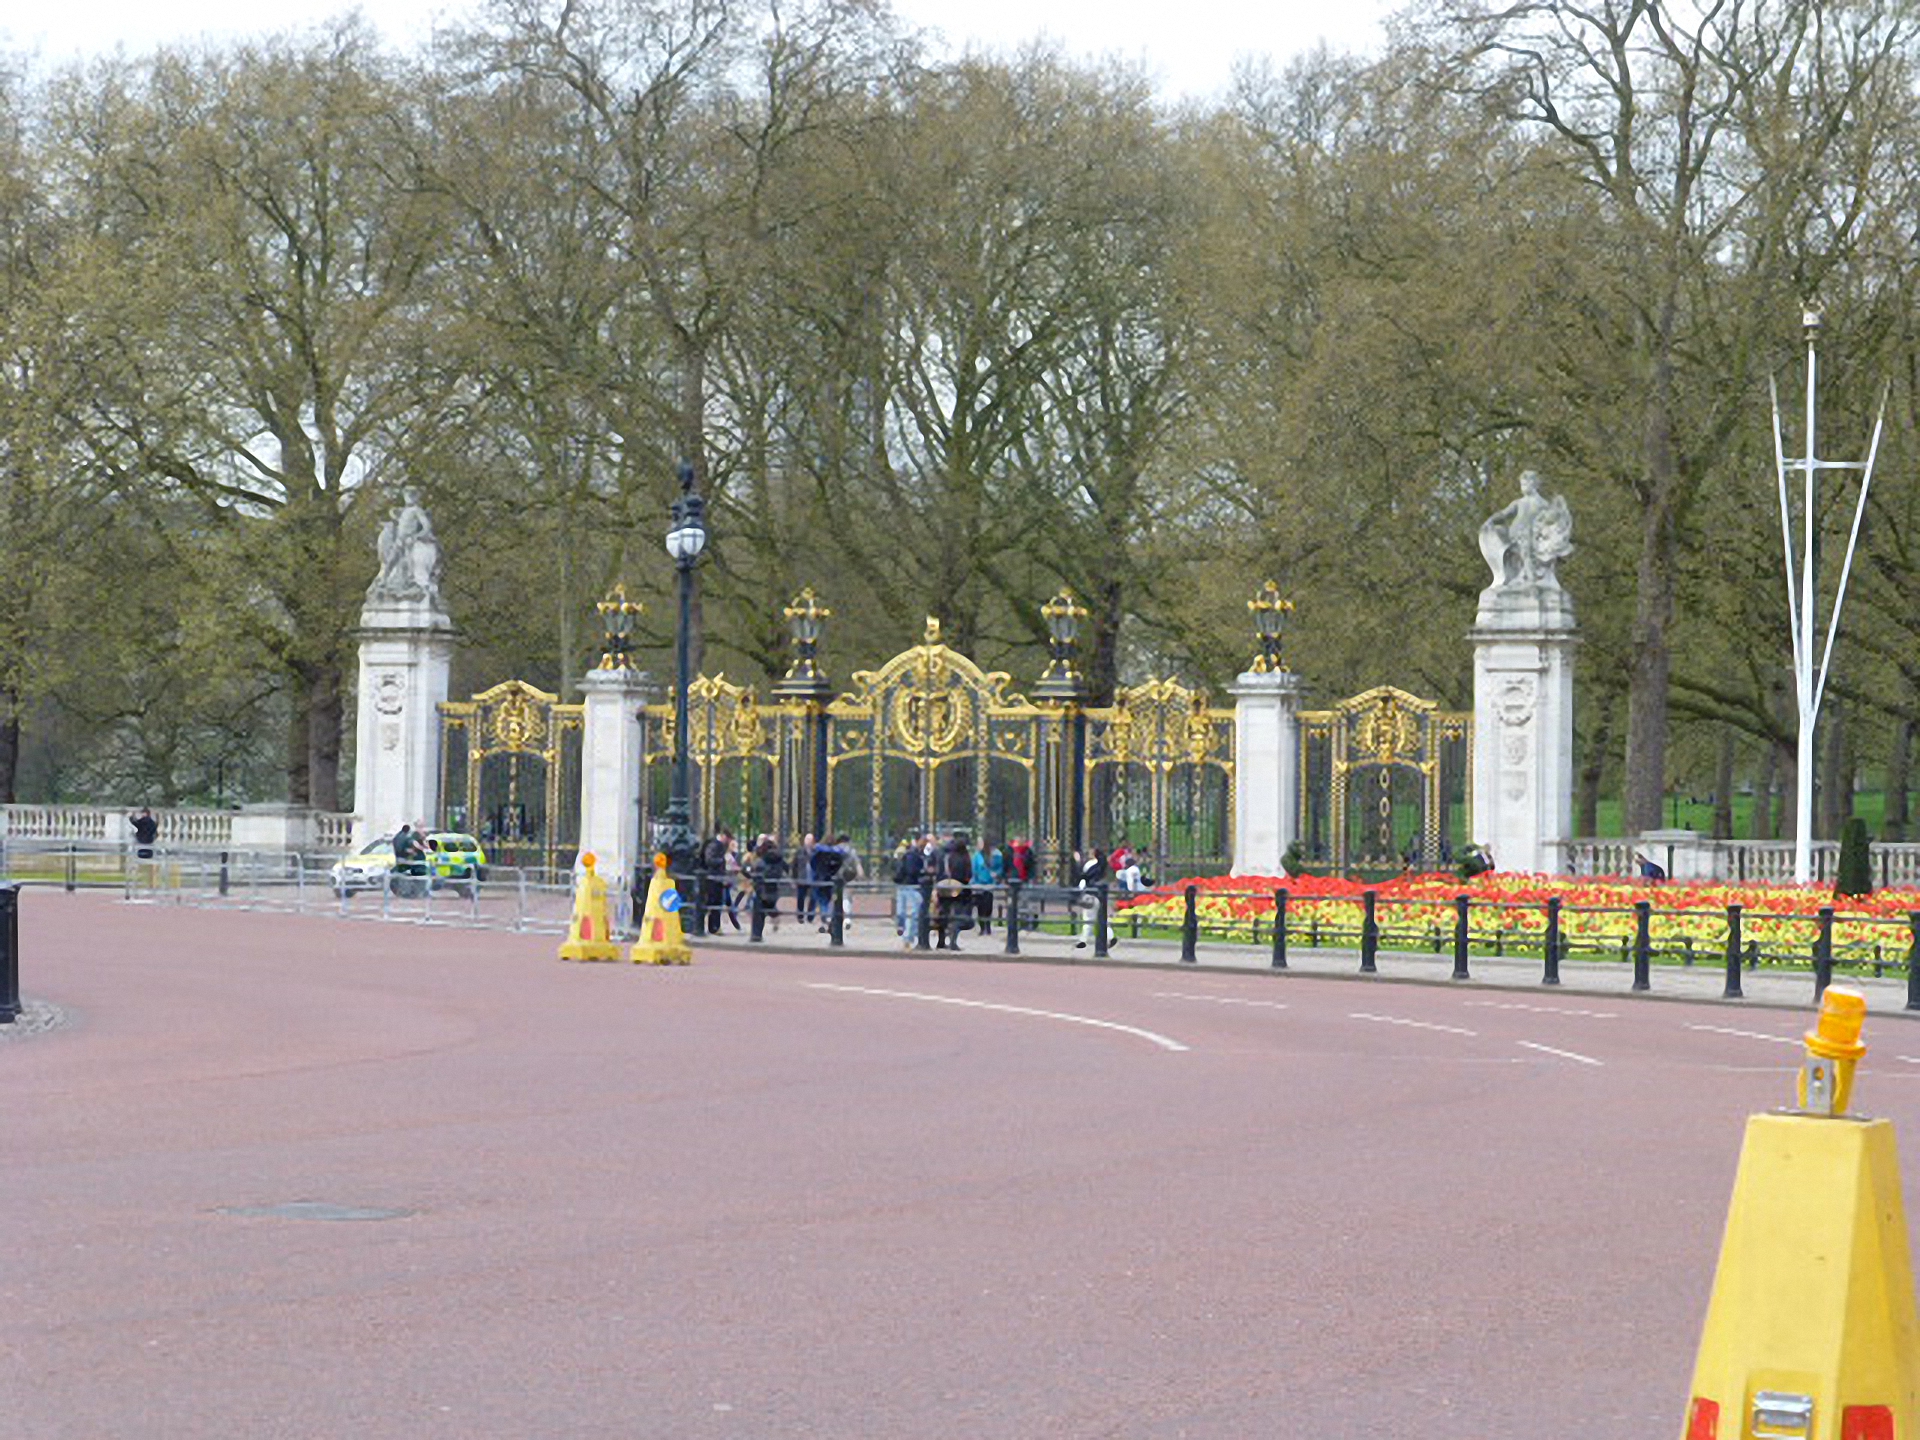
<point>406,655</point>
<point>1524,638</point>
<point>1266,759</point>
<point>612,743</point>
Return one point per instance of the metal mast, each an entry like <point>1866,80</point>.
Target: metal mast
<point>1809,679</point>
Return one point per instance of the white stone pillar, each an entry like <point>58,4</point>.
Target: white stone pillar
<point>1524,638</point>
<point>406,654</point>
<point>612,738</point>
<point>1266,769</point>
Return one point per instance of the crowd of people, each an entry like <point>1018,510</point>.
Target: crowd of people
<point>731,876</point>
<point>963,880</point>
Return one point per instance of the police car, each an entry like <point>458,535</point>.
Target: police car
<point>453,861</point>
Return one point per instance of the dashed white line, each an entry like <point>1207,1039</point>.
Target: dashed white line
<point>1220,1000</point>
<point>1411,1024</point>
<point>1544,1009</point>
<point>1161,1040</point>
<point>1745,1034</point>
<point>1563,1054</point>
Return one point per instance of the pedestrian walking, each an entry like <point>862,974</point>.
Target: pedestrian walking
<point>909,871</point>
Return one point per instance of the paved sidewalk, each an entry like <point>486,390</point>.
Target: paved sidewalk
<point>1770,986</point>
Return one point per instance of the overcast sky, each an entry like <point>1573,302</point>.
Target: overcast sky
<point>1188,46</point>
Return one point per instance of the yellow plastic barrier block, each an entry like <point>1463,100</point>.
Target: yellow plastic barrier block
<point>663,940</point>
<point>1811,1331</point>
<point>590,931</point>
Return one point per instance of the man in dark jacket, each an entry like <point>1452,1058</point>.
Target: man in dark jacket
<point>908,871</point>
<point>713,879</point>
<point>824,865</point>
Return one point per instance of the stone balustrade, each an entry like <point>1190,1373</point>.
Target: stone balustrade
<point>1688,855</point>
<point>289,828</point>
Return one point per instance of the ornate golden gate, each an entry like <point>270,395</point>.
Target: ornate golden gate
<point>1159,765</point>
<point>931,742</point>
<point>1384,782</point>
<point>510,773</point>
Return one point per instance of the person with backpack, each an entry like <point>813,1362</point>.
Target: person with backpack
<point>768,869</point>
<point>953,905</point>
<point>827,859</point>
<point>909,869</point>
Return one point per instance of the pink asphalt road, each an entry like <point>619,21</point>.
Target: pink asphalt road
<point>312,1178</point>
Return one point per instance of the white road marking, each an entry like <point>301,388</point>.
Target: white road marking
<point>1411,1024</point>
<point>1161,1040</point>
<point>1545,1009</point>
<point>1563,1054</point>
<point>1745,1034</point>
<point>1220,1000</point>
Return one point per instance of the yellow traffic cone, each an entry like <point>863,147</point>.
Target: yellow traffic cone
<point>590,932</point>
<point>662,941</point>
<point>1812,1331</point>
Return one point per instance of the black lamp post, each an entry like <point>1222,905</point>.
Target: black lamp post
<point>686,539</point>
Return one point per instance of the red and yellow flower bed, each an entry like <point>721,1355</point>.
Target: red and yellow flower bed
<point>1595,914</point>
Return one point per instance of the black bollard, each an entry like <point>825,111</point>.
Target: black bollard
<point>837,921</point>
<point>1280,929</point>
<point>1461,931</point>
<point>9,954</point>
<point>924,930</point>
<point>1913,960</point>
<point>73,870</point>
<point>1733,990</point>
<point>223,875</point>
<point>1551,976</point>
<point>1010,921</point>
<point>1823,954</point>
<point>1643,945</point>
<point>1190,927</point>
<point>1100,951</point>
<point>1369,934</point>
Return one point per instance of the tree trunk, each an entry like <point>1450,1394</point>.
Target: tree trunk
<point>1834,778</point>
<point>1899,778</point>
<point>1652,658</point>
<point>298,741</point>
<point>1586,804</point>
<point>326,714</point>
<point>9,747</point>
<point>1760,823</point>
<point>1723,787</point>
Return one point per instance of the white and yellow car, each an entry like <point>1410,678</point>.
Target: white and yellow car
<point>453,861</point>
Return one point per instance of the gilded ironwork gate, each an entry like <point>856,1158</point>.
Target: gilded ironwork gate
<point>930,742</point>
<point>746,758</point>
<point>1384,782</point>
<point>510,773</point>
<point>1159,765</point>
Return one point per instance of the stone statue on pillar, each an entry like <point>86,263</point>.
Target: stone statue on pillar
<point>1524,638</point>
<point>409,556</point>
<point>1526,540</point>
<point>406,651</point>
